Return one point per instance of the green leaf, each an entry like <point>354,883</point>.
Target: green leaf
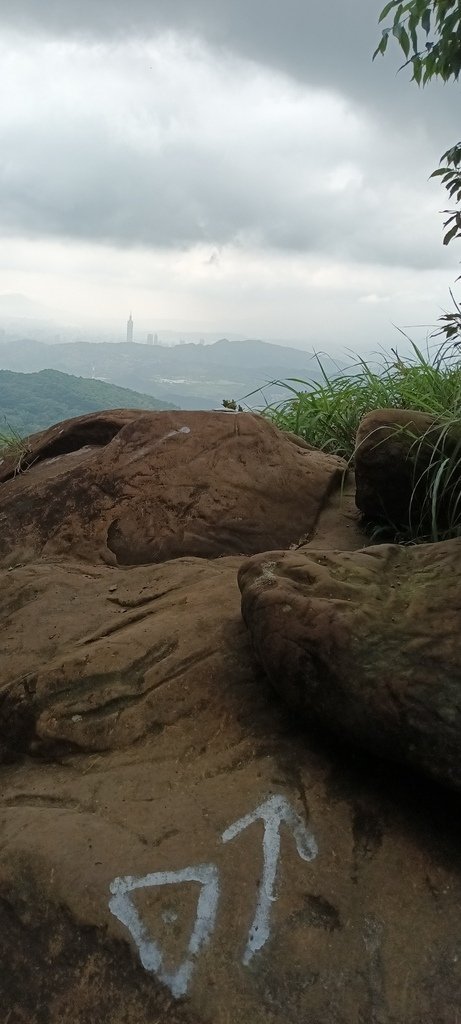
<point>398,15</point>
<point>426,21</point>
<point>402,36</point>
<point>382,45</point>
<point>417,70</point>
<point>385,10</point>
<point>450,235</point>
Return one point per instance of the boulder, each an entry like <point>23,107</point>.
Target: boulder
<point>367,644</point>
<point>394,452</point>
<point>174,847</point>
<point>130,488</point>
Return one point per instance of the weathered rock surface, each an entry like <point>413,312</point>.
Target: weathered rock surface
<point>339,525</point>
<point>130,488</point>
<point>135,834</point>
<point>366,643</point>
<point>112,657</point>
<point>394,449</point>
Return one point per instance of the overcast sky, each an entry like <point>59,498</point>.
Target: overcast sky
<point>234,165</point>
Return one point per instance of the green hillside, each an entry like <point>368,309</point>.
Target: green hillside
<point>33,401</point>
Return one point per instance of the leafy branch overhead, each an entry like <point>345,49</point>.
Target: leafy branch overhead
<point>429,35</point>
<point>450,174</point>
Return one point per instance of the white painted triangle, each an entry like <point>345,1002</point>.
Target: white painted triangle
<point>124,909</point>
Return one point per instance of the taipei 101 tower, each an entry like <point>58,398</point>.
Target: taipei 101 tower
<point>129,329</point>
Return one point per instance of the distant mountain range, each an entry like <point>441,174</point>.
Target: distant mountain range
<point>33,401</point>
<point>190,376</point>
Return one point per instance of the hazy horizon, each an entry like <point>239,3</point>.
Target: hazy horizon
<point>56,329</point>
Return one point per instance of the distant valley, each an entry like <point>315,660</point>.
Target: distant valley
<point>190,376</point>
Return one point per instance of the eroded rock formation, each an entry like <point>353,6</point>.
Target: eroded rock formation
<point>130,488</point>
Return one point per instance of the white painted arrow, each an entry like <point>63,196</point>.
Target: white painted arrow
<point>273,812</point>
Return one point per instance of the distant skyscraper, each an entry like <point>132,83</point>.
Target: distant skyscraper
<point>150,339</point>
<point>129,329</point>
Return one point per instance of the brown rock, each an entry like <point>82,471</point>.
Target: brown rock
<point>93,672</point>
<point>394,450</point>
<point>339,525</point>
<point>133,488</point>
<point>179,749</point>
<point>367,644</point>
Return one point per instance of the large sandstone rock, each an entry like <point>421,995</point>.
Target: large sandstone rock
<point>395,450</point>
<point>176,849</point>
<point>112,657</point>
<point>130,488</point>
<point>366,643</point>
<point>339,525</point>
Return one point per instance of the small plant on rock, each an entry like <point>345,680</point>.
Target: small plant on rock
<point>14,446</point>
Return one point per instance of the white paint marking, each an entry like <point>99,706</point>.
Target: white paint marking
<point>273,812</point>
<point>150,954</point>
<point>141,452</point>
<point>172,433</point>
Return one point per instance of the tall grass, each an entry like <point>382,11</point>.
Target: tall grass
<point>13,445</point>
<point>327,415</point>
<point>436,513</point>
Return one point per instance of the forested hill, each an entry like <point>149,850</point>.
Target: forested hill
<point>32,401</point>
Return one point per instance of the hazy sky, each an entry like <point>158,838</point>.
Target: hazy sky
<point>236,165</point>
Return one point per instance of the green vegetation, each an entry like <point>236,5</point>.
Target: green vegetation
<point>327,416</point>
<point>32,401</point>
<point>434,513</point>
<point>13,445</point>
<point>429,35</point>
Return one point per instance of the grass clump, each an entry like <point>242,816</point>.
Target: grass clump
<point>13,446</point>
<point>327,415</point>
<point>429,506</point>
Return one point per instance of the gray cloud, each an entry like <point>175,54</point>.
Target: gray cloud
<point>241,162</point>
<point>167,144</point>
<point>326,44</point>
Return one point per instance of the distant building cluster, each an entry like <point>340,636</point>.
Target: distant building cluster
<point>152,339</point>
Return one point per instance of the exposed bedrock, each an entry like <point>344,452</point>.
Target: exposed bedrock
<point>130,488</point>
<point>175,847</point>
<point>367,644</point>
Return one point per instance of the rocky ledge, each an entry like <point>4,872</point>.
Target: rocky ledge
<point>206,820</point>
